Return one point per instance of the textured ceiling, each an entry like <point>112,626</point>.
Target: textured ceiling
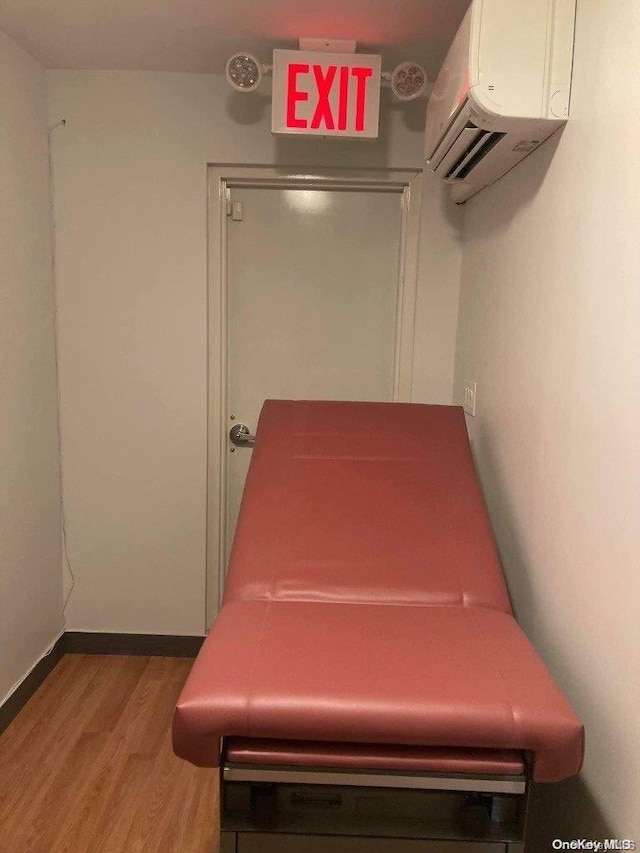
<point>199,35</point>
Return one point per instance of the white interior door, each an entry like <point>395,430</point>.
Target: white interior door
<point>312,304</point>
<point>311,296</point>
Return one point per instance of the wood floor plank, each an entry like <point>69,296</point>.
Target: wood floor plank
<point>125,806</point>
<point>158,814</point>
<point>52,694</point>
<point>45,697</point>
<point>53,738</point>
<point>128,671</point>
<point>153,697</point>
<point>87,765</point>
<point>38,833</point>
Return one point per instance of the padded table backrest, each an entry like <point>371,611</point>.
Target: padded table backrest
<point>364,502</point>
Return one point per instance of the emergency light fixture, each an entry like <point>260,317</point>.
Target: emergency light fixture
<point>245,72</point>
<point>408,81</point>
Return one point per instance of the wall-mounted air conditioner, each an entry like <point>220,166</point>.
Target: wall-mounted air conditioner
<point>503,89</point>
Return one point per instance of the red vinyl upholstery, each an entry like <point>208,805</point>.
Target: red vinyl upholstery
<point>423,759</point>
<point>367,502</point>
<point>365,602</point>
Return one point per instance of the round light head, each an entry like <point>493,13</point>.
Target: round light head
<point>244,72</point>
<point>408,81</point>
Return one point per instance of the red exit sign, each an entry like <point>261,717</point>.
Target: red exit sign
<point>326,94</point>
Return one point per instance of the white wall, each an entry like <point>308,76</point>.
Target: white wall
<point>30,550</point>
<point>130,200</point>
<point>549,327</point>
<point>438,291</point>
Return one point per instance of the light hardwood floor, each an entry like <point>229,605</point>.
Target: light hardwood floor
<point>87,766</point>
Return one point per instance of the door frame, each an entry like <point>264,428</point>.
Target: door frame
<point>221,179</point>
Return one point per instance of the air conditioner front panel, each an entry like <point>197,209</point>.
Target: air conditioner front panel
<point>450,88</point>
<point>502,90</point>
<point>508,57</point>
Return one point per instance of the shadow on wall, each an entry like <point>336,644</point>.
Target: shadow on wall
<point>255,108</point>
<point>447,211</point>
<point>522,192</point>
<point>512,555</point>
<point>566,811</point>
<point>249,108</point>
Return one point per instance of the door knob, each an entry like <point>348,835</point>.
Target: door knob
<point>240,436</point>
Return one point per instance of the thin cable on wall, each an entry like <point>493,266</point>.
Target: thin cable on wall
<point>54,277</point>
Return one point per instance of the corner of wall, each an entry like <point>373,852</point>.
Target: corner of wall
<point>31,615</point>
<point>439,270</point>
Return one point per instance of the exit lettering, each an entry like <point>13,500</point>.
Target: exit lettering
<point>324,79</point>
<point>325,94</point>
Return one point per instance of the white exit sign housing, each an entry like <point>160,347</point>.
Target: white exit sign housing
<point>326,94</point>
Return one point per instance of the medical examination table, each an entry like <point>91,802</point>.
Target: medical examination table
<point>365,686</point>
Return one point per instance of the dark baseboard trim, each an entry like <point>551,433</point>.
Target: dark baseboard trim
<point>165,645</point>
<point>21,695</point>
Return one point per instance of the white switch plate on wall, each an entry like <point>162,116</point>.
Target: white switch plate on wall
<point>470,397</point>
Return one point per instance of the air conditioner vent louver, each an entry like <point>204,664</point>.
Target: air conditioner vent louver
<point>484,143</point>
<point>465,151</point>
